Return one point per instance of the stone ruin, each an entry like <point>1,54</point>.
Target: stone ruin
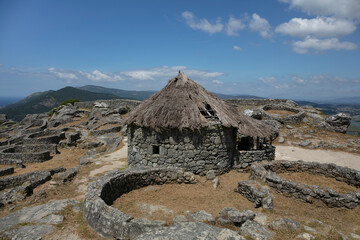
<point>110,222</point>
<point>37,138</point>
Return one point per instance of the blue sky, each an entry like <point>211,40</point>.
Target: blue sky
<point>298,49</point>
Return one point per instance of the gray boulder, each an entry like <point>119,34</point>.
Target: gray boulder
<point>284,224</point>
<point>339,122</point>
<point>203,216</point>
<point>256,231</point>
<point>239,217</point>
<point>253,113</point>
<point>32,232</point>
<point>190,230</point>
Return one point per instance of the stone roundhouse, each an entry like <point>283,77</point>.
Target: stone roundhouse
<point>184,125</point>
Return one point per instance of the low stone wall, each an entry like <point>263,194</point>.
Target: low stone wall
<point>6,171</point>
<point>34,139</point>
<point>35,178</point>
<point>246,158</point>
<point>261,102</point>
<point>255,193</point>
<point>266,173</point>
<point>109,221</point>
<point>113,104</point>
<point>32,148</point>
<point>297,118</point>
<point>96,132</point>
<point>25,157</point>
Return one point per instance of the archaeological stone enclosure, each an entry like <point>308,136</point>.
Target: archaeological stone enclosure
<point>182,134</point>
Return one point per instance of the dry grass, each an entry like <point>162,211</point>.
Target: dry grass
<point>281,113</point>
<point>326,182</point>
<point>76,122</point>
<point>202,196</point>
<point>182,197</point>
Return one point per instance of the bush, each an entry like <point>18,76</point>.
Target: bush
<point>71,101</point>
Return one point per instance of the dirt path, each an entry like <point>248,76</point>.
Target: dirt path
<point>108,162</point>
<point>111,161</point>
<point>344,159</point>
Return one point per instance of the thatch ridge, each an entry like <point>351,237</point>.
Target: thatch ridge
<point>180,105</point>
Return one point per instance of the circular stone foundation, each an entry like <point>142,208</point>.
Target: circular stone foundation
<point>296,117</point>
<point>266,172</point>
<point>109,221</point>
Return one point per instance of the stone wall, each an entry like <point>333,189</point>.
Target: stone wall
<point>260,102</point>
<point>109,221</point>
<point>250,156</point>
<point>195,151</point>
<point>266,173</point>
<point>288,119</point>
<point>113,104</point>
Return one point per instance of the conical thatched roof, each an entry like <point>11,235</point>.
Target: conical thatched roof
<point>183,103</point>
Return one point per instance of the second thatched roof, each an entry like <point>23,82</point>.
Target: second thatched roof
<point>184,104</point>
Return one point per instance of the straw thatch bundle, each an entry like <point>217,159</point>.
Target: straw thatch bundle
<point>182,103</point>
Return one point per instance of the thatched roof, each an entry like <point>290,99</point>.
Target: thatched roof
<point>184,104</point>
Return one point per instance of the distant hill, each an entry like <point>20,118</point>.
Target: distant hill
<point>329,109</point>
<point>225,96</point>
<point>40,102</point>
<point>44,101</point>
<point>344,100</point>
<point>142,95</point>
<point>128,94</point>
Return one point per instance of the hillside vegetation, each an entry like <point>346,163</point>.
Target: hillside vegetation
<point>45,101</point>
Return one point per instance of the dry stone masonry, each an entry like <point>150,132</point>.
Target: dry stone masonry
<point>266,172</point>
<point>110,222</point>
<point>197,152</point>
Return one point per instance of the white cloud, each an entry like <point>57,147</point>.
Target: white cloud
<point>311,43</point>
<point>98,76</point>
<point>268,80</point>
<point>153,74</point>
<point>63,74</point>
<point>217,81</point>
<point>237,48</point>
<point>318,27</point>
<point>202,24</point>
<point>349,9</point>
<point>234,26</point>
<point>260,25</point>
<point>298,79</point>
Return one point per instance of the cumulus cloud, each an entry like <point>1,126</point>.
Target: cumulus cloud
<point>318,27</point>
<point>68,76</point>
<point>349,9</point>
<point>233,26</point>
<point>319,45</point>
<point>260,25</point>
<point>166,72</point>
<point>96,76</point>
<point>237,48</point>
<point>202,24</point>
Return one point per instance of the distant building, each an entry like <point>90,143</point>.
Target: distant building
<point>184,125</point>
